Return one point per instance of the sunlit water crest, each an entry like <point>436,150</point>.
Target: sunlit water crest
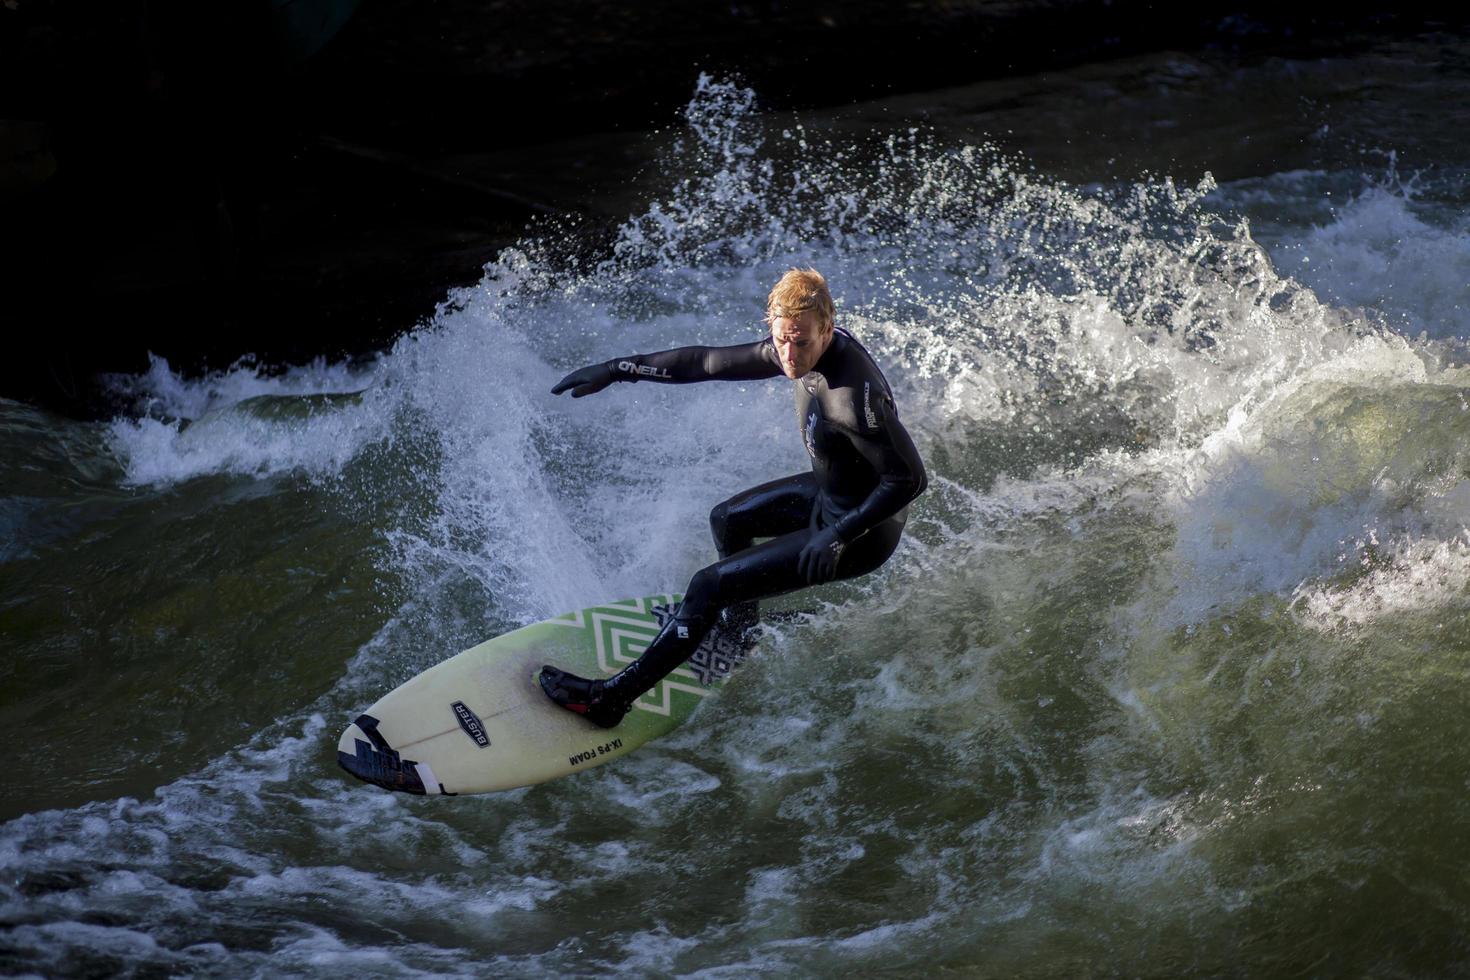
<point>1169,674</point>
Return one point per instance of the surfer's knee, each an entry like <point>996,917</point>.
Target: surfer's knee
<point>719,524</point>
<point>702,599</point>
<point>705,584</point>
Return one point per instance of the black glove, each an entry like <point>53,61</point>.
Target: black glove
<point>818,561</point>
<point>586,381</point>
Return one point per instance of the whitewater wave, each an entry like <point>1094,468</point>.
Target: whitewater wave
<point>1159,619</point>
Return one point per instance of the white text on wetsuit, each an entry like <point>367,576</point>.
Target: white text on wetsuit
<point>646,370</point>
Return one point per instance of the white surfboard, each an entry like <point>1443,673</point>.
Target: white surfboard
<point>479,721</point>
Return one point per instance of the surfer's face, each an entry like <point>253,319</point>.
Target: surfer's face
<point>800,341</point>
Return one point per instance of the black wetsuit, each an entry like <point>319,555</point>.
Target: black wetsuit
<point>865,472</point>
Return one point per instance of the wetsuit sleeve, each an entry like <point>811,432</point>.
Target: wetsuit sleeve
<point>889,449</point>
<point>685,365</point>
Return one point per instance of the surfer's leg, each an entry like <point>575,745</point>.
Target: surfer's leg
<point>871,550</point>
<point>766,569</point>
<point>773,568</point>
<point>771,509</point>
<point>770,568</point>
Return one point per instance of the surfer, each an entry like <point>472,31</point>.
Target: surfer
<point>841,520</point>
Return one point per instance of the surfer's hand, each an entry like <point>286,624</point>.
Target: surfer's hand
<point>586,381</point>
<point>818,561</point>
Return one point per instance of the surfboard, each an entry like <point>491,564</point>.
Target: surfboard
<point>479,721</point>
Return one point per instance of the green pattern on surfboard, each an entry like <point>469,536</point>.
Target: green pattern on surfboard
<point>613,635</point>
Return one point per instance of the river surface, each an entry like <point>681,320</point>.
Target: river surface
<point>1170,676</point>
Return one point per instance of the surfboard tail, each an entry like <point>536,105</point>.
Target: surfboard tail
<point>364,752</point>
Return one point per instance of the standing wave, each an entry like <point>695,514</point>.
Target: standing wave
<point>1168,676</point>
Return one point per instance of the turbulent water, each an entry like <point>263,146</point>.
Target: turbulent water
<point>1171,674</point>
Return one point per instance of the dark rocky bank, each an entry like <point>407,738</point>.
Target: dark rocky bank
<point>302,178</point>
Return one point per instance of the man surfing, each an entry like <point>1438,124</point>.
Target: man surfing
<point>841,520</point>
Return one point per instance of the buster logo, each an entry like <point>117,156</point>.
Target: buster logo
<point>471,724</point>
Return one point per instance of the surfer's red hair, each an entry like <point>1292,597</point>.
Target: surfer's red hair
<point>798,291</point>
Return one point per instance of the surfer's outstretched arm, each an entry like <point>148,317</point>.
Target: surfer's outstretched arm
<point>682,365</point>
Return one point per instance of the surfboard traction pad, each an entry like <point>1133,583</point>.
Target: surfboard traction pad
<point>619,632</point>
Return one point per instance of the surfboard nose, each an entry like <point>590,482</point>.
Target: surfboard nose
<point>363,751</point>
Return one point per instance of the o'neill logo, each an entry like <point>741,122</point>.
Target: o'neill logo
<point>471,724</point>
<point>872,419</point>
<point>643,370</point>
